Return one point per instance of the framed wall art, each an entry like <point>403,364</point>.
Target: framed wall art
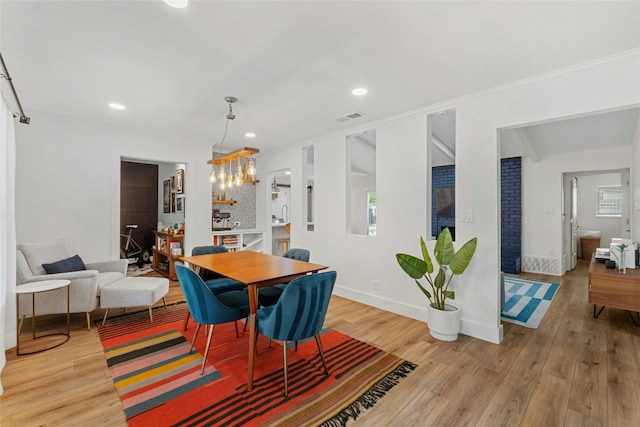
<point>166,196</point>
<point>180,204</point>
<point>179,181</point>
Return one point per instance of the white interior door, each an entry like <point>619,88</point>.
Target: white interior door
<point>574,221</point>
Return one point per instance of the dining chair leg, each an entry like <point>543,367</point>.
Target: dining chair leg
<point>206,350</point>
<point>193,340</point>
<point>286,379</point>
<point>319,343</point>
<point>186,320</point>
<point>236,325</point>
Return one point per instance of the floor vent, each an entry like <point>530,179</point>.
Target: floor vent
<point>351,116</point>
<point>543,265</point>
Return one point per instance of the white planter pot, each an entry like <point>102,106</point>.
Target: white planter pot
<point>444,324</point>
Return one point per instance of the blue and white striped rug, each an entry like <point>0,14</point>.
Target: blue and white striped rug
<point>527,301</point>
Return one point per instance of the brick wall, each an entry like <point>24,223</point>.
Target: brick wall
<point>511,214</point>
<point>442,177</point>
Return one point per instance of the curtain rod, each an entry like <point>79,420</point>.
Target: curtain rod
<point>5,74</point>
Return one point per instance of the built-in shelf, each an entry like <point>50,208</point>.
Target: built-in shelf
<point>224,202</point>
<point>240,240</point>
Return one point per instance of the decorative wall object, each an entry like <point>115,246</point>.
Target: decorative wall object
<point>179,181</point>
<point>180,204</point>
<point>166,196</point>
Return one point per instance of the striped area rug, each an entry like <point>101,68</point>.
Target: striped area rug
<point>159,383</point>
<point>526,301</point>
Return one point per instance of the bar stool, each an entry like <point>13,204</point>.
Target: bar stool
<point>284,240</point>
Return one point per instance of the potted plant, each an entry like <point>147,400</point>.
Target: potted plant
<point>443,318</point>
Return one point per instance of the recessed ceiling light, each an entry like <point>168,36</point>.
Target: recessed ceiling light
<point>359,91</point>
<point>177,3</point>
<point>250,135</point>
<point>116,106</point>
<point>287,172</point>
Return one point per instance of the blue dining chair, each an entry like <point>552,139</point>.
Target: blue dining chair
<point>208,308</point>
<point>216,282</point>
<point>269,295</point>
<point>299,314</point>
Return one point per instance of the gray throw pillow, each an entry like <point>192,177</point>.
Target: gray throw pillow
<point>74,263</point>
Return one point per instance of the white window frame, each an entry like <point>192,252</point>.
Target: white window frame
<point>609,201</point>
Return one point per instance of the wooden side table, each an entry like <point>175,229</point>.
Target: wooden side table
<point>34,288</point>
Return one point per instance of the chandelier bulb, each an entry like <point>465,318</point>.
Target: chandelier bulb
<point>212,176</point>
<point>251,170</point>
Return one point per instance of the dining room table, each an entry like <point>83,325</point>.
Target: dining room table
<point>256,270</point>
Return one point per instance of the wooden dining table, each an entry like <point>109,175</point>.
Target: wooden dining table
<point>256,270</point>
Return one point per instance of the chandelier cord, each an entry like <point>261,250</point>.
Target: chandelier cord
<point>226,127</point>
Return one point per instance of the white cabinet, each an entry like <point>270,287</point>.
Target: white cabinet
<point>240,240</point>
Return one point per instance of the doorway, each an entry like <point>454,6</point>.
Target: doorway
<point>280,211</point>
<point>139,201</point>
<point>597,203</point>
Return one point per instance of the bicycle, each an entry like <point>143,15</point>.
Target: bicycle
<point>131,250</point>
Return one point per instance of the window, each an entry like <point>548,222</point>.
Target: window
<point>609,200</point>
<point>371,213</point>
<point>361,182</point>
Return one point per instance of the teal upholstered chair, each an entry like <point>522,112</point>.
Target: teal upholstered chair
<point>299,314</point>
<point>208,308</point>
<point>216,282</point>
<point>269,295</point>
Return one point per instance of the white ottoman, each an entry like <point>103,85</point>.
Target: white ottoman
<point>134,292</point>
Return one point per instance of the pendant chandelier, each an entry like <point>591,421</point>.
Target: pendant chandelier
<point>235,168</point>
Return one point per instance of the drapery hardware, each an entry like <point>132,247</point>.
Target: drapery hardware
<point>5,75</point>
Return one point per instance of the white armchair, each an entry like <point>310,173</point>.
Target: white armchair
<point>85,284</point>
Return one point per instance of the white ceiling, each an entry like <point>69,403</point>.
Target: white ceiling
<point>293,64</point>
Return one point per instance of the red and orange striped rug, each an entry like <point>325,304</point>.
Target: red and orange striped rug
<point>159,382</point>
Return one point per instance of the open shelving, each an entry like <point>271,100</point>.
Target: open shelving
<point>240,240</point>
<point>163,258</point>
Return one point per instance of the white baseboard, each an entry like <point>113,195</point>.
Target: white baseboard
<point>467,327</point>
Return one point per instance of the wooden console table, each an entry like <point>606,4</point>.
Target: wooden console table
<point>609,288</point>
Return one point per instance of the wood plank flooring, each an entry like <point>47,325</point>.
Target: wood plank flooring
<point>573,371</point>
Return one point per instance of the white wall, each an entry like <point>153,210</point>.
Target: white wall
<point>635,184</point>
<point>542,194</point>
<point>609,227</point>
<point>165,171</point>
<point>360,186</point>
<point>402,196</point>
<point>68,186</point>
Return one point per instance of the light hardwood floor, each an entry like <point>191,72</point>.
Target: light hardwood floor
<point>572,371</point>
